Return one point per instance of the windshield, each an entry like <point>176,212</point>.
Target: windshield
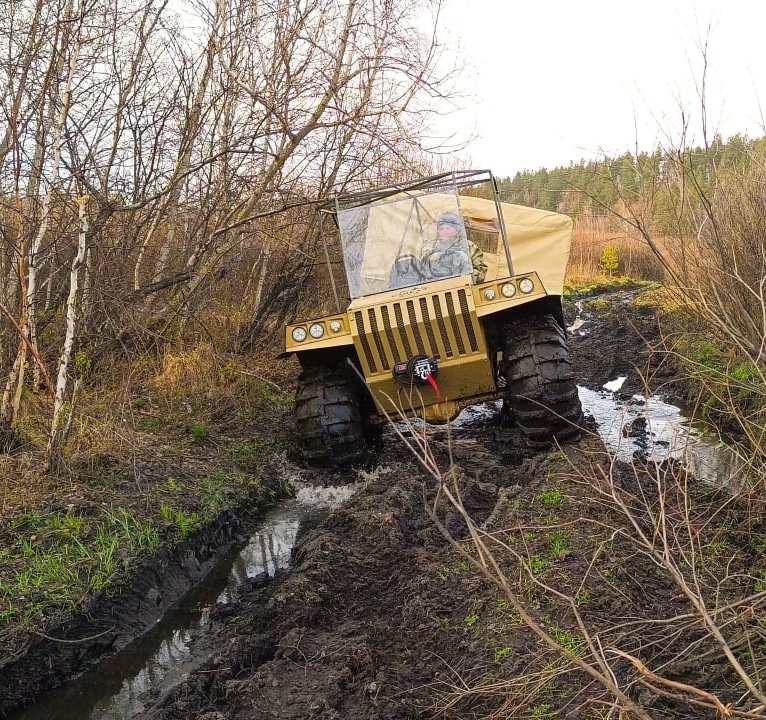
<point>404,241</point>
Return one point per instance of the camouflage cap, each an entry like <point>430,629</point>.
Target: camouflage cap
<point>450,218</point>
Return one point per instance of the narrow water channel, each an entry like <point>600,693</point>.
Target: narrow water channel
<point>113,690</point>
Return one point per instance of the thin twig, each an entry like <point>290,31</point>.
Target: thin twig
<point>73,642</point>
<point>31,348</point>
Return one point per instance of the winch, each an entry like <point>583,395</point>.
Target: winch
<point>416,370</point>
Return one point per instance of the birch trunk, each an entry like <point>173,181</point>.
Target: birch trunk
<point>58,431</point>
<point>33,257</point>
<point>9,406</point>
<point>266,255</point>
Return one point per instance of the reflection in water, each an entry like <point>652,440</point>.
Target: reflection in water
<point>477,414</point>
<point>660,431</point>
<point>579,321</point>
<point>172,652</point>
<point>716,465</point>
<point>267,551</point>
<point>112,690</point>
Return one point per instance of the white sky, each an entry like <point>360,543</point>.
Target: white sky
<point>557,81</point>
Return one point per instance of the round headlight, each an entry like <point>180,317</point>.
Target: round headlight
<point>489,294</point>
<point>299,334</point>
<point>526,285</point>
<point>335,326</point>
<point>508,290</point>
<point>316,330</point>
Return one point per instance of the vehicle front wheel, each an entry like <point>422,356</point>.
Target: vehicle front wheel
<point>328,418</point>
<point>539,388</point>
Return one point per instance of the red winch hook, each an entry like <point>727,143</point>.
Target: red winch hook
<point>432,382</point>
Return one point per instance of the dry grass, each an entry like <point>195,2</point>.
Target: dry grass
<point>593,235</point>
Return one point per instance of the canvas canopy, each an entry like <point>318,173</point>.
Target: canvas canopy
<point>539,240</point>
<point>375,236</point>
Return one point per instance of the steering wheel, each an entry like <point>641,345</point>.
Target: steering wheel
<point>447,263</point>
<point>407,270</point>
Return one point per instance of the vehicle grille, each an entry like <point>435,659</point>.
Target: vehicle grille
<point>438,325</point>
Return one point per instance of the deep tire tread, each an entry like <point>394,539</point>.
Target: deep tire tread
<point>327,416</point>
<point>540,389</point>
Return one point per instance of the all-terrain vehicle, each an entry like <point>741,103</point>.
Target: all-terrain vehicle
<point>454,299</point>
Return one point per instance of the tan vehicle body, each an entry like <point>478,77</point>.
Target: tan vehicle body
<point>445,318</point>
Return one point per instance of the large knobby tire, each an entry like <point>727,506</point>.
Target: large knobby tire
<point>540,390</point>
<point>328,418</point>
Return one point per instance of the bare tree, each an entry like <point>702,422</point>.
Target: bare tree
<point>188,141</point>
<point>58,426</point>
<point>29,260</point>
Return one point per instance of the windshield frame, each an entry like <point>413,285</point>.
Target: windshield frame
<point>445,183</point>
<point>405,240</point>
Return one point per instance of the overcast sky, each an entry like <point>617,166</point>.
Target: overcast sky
<point>558,81</point>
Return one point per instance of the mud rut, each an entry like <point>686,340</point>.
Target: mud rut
<point>379,617</point>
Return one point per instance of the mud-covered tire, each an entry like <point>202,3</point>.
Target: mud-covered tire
<point>327,416</point>
<point>539,388</point>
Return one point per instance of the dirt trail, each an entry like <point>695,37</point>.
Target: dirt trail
<point>382,617</point>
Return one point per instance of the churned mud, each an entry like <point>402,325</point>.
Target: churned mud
<point>386,612</point>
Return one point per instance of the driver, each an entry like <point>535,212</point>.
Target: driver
<point>446,258</point>
<point>449,250</point>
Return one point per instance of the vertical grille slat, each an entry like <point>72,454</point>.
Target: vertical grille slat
<point>455,325</point>
<point>402,331</point>
<point>365,342</point>
<point>415,327</point>
<point>377,339</point>
<point>467,320</point>
<point>436,300</point>
<point>395,354</point>
<point>429,327</point>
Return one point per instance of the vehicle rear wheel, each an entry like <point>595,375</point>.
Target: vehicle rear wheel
<point>328,417</point>
<point>540,390</point>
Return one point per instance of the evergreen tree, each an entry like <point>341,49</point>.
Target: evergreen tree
<point>648,179</point>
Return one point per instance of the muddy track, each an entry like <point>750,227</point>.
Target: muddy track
<point>376,618</point>
<point>381,617</point>
<point>108,624</point>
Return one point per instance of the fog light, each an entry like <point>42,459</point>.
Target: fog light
<point>299,334</point>
<point>316,330</point>
<point>489,294</point>
<point>526,285</point>
<point>335,326</point>
<point>508,290</point>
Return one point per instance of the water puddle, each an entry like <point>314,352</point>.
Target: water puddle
<point>659,430</point>
<point>113,690</point>
<point>649,426</point>
<point>469,417</point>
<point>475,415</point>
<point>581,321</point>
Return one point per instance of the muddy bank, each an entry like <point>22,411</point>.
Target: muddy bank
<point>91,557</point>
<point>107,624</point>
